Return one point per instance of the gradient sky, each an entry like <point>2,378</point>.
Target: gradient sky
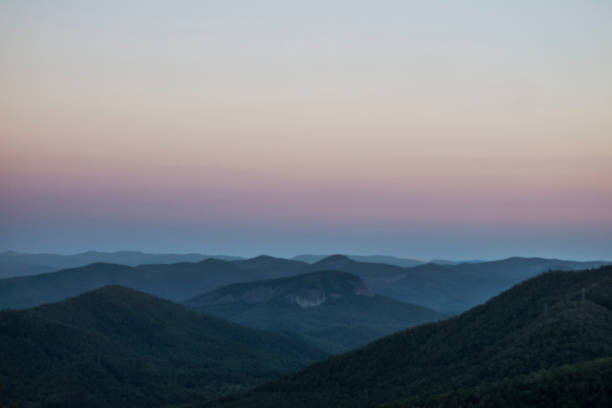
<point>455,129</point>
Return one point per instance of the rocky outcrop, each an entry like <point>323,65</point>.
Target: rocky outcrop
<point>306,298</point>
<point>305,291</point>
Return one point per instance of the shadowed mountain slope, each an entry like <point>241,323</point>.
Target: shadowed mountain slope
<point>585,384</point>
<point>543,323</point>
<point>174,281</point>
<point>335,310</point>
<point>118,347</point>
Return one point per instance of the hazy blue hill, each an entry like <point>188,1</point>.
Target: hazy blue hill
<point>540,324</point>
<point>118,347</point>
<point>17,264</point>
<point>455,288</point>
<point>440,286</point>
<point>273,267</point>
<point>454,262</point>
<point>381,259</point>
<point>176,281</point>
<point>368,271</point>
<point>335,310</point>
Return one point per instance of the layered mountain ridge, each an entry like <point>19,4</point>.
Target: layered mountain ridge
<point>446,288</point>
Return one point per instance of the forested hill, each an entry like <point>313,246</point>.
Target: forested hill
<point>584,384</point>
<point>555,319</point>
<point>116,347</point>
<point>337,311</point>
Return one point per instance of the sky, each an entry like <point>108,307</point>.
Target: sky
<point>427,129</point>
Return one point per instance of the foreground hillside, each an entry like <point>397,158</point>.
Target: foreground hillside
<point>542,324</point>
<point>335,310</point>
<point>121,348</point>
<point>585,384</point>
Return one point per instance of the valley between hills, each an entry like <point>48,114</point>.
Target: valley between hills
<point>336,332</point>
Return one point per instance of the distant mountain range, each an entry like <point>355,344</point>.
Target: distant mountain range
<point>115,347</point>
<point>444,288</point>
<point>385,259</point>
<point>545,342</point>
<point>455,288</point>
<point>14,264</point>
<point>337,311</point>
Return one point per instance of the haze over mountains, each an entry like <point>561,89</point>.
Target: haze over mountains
<point>455,288</point>
<point>444,288</point>
<point>14,264</point>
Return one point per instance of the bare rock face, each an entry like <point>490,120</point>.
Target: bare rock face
<point>307,298</point>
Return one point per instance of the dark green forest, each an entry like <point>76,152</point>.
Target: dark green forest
<point>572,386</point>
<point>121,348</point>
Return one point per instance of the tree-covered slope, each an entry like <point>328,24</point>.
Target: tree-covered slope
<point>585,384</point>
<point>543,323</point>
<point>118,347</point>
<point>335,310</point>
